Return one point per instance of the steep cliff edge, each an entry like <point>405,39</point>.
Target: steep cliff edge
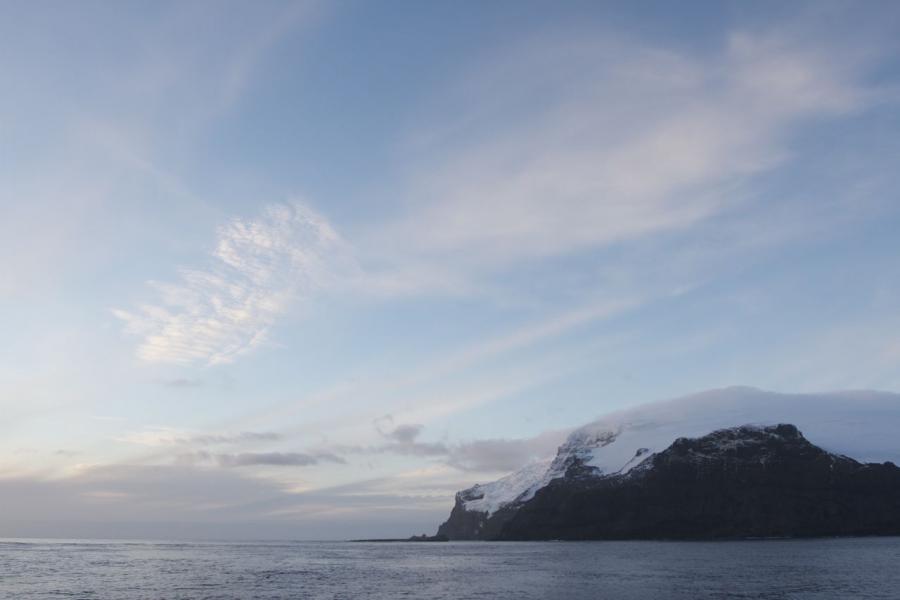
<point>746,481</point>
<point>741,482</point>
<point>858,424</point>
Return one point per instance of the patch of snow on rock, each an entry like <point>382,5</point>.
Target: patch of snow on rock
<point>517,486</point>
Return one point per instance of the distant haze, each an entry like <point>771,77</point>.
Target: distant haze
<point>198,502</point>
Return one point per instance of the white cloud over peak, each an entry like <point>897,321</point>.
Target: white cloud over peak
<point>258,268</point>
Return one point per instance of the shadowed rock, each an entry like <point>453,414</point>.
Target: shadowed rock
<point>733,483</point>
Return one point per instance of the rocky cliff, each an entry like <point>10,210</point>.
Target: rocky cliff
<point>745,481</point>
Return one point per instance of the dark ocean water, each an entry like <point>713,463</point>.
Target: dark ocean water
<point>837,568</point>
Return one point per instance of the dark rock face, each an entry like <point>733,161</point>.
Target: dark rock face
<point>733,483</point>
<point>473,525</point>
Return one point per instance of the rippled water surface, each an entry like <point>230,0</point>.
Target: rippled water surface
<point>845,568</point>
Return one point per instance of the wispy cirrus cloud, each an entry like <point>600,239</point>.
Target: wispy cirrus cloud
<point>628,141</point>
<point>260,266</point>
<point>181,68</point>
<point>578,143</point>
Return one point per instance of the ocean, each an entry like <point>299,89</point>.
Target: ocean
<point>859,568</point>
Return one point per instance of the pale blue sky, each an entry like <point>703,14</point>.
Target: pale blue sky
<point>346,258</point>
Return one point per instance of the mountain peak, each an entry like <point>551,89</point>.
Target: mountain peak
<point>730,421</point>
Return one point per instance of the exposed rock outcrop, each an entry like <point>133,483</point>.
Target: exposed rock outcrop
<point>740,482</point>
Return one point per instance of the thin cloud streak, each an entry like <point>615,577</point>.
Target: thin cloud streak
<point>275,459</point>
<point>173,437</point>
<point>460,361</point>
<point>632,141</point>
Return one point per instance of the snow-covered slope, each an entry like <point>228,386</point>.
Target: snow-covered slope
<point>861,424</point>
<point>521,485</point>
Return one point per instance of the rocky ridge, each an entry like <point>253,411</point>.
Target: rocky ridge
<point>746,481</point>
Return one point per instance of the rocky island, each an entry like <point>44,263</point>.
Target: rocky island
<point>747,481</point>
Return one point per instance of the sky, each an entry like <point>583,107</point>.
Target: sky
<point>303,270</point>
